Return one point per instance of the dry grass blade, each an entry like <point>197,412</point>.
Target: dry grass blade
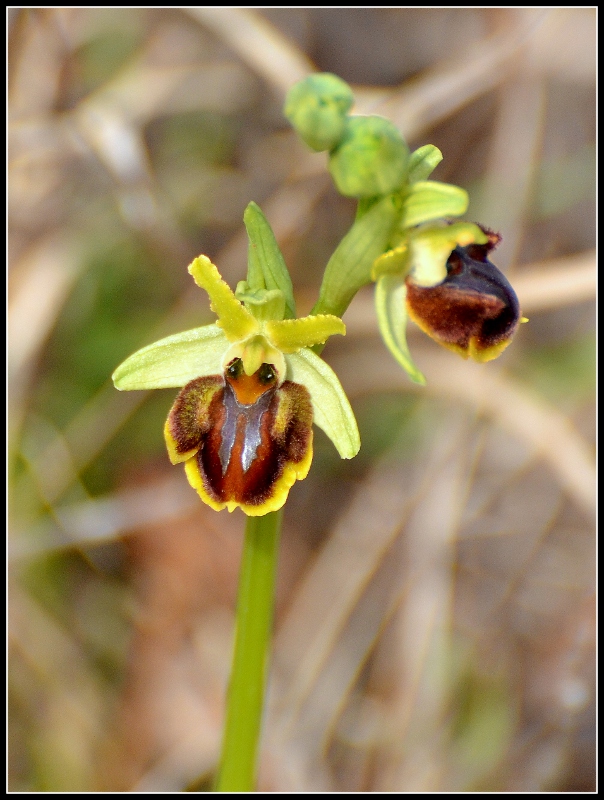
<point>524,414</point>
<point>559,282</point>
<point>42,280</point>
<point>258,43</point>
<point>386,547</point>
<point>452,84</point>
<point>97,521</point>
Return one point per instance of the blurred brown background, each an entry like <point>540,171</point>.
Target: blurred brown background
<point>435,620</point>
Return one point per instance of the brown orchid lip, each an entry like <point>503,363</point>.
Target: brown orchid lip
<point>475,302</point>
<point>246,430</point>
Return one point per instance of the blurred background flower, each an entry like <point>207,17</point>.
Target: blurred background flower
<point>435,625</point>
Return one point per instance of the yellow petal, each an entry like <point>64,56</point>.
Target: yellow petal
<point>291,335</point>
<point>236,322</point>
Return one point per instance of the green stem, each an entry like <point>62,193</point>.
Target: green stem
<point>250,660</point>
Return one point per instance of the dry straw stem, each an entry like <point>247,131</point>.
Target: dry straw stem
<point>392,562</point>
<point>435,95</point>
<point>74,704</point>
<point>558,283</point>
<point>453,83</point>
<point>523,413</point>
<point>353,589</point>
<point>439,92</point>
<point>258,43</point>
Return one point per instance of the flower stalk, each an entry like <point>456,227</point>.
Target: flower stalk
<point>255,604</point>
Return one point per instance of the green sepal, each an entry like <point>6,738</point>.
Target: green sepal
<point>316,107</point>
<point>174,361</point>
<point>349,267</point>
<point>391,310</point>
<point>266,266</point>
<point>429,200</point>
<point>332,411</point>
<point>423,162</point>
<point>371,159</point>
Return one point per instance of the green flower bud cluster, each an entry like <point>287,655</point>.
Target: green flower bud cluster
<point>368,156</point>
<point>369,160</point>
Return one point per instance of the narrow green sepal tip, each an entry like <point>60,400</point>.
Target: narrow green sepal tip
<point>391,310</point>
<point>422,162</point>
<point>266,266</point>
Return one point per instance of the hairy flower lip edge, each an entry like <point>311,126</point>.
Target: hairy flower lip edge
<point>291,474</point>
<point>277,439</point>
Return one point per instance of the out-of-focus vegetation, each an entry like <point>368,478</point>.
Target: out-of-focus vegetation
<point>435,622</point>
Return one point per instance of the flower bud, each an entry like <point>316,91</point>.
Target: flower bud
<point>317,108</point>
<point>371,159</point>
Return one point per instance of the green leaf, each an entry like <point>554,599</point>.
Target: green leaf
<point>428,200</point>
<point>391,310</point>
<point>332,411</point>
<point>349,268</point>
<point>422,162</point>
<point>174,361</point>
<point>266,266</point>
